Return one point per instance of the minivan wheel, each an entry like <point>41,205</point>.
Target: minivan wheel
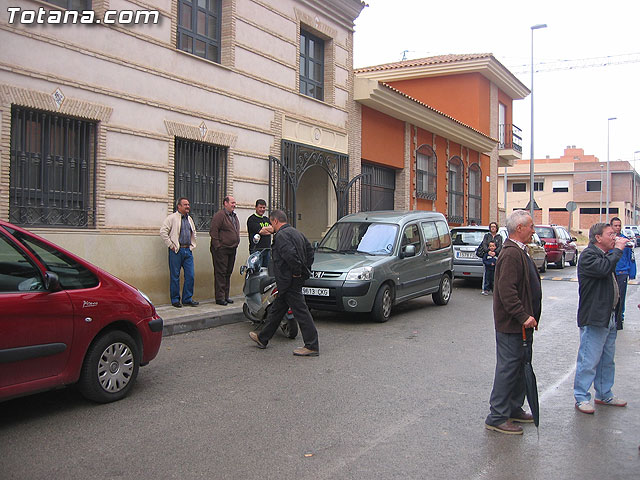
<point>442,296</point>
<point>382,304</point>
<point>543,268</point>
<point>110,367</point>
<point>560,264</point>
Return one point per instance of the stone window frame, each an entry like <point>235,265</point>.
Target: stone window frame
<point>328,34</point>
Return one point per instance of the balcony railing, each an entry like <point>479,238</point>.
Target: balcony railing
<point>510,136</point>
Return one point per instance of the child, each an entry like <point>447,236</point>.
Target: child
<point>489,260</point>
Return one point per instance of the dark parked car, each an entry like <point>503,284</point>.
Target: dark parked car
<point>559,244</point>
<point>65,321</point>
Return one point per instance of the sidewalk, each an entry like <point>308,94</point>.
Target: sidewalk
<point>206,315</point>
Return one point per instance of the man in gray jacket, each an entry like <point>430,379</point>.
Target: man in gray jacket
<point>599,297</point>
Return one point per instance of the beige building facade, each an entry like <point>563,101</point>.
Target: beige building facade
<point>573,177</point>
<point>103,127</point>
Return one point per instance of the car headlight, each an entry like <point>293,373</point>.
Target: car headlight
<point>360,273</point>
<point>144,295</point>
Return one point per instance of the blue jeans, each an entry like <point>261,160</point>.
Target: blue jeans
<point>487,280</point>
<point>182,259</point>
<point>595,363</point>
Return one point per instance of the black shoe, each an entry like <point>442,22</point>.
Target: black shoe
<point>221,302</point>
<point>177,305</point>
<point>192,303</point>
<point>228,300</point>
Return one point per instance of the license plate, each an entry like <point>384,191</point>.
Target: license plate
<point>318,292</point>
<point>465,255</point>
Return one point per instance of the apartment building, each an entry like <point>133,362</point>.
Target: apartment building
<point>435,130</point>
<point>573,177</point>
<point>103,126</point>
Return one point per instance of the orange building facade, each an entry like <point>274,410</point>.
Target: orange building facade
<point>440,126</point>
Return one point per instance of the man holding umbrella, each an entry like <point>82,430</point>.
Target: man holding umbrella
<point>517,303</point>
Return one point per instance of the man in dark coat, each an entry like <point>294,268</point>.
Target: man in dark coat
<point>517,303</point>
<point>225,237</point>
<point>599,298</point>
<point>291,258</point>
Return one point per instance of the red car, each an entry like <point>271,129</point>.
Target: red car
<point>559,244</point>
<point>65,321</point>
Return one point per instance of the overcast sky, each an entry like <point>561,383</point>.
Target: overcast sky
<point>571,105</point>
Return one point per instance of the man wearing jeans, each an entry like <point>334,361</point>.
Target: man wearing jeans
<point>599,297</point>
<point>179,234</point>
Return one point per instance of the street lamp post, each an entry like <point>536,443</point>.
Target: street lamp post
<point>635,195</point>
<point>600,210</point>
<point>531,166</point>
<point>608,177</point>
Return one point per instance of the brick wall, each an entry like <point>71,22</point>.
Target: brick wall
<point>559,218</point>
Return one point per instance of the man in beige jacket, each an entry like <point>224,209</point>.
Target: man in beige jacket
<point>179,234</point>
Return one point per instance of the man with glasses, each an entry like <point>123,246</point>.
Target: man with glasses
<point>598,299</point>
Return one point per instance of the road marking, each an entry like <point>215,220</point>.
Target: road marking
<point>575,279</point>
<point>552,388</point>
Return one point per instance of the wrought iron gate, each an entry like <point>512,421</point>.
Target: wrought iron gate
<point>285,175</point>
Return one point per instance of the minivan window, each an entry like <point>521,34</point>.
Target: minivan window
<point>545,232</point>
<point>431,237</point>
<point>411,236</point>
<point>71,274</point>
<point>468,237</point>
<point>360,237</point>
<point>443,232</point>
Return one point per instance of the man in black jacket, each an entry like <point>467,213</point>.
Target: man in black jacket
<point>291,258</point>
<point>599,297</point>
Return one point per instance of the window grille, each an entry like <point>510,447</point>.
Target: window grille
<point>200,175</point>
<point>52,169</point>
<point>426,172</point>
<point>456,190</point>
<point>475,194</point>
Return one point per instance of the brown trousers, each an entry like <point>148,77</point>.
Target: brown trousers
<point>223,261</point>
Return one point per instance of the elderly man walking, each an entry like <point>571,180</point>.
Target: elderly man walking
<point>599,298</point>
<point>517,303</point>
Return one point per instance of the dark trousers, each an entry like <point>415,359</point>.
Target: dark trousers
<point>291,298</point>
<point>507,396</point>
<point>622,279</point>
<point>223,261</point>
<point>489,273</point>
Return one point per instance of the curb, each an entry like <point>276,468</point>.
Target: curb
<point>199,322</point>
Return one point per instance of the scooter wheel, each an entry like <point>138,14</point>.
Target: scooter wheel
<point>289,327</point>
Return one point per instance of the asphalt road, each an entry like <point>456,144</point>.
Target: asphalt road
<point>401,400</point>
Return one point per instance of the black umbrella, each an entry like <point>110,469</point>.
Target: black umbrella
<point>530,382</point>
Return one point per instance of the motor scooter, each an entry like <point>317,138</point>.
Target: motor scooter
<point>260,291</point>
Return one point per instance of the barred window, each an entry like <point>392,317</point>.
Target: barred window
<point>199,28</point>
<point>456,190</point>
<point>52,169</point>
<point>311,65</point>
<point>200,175</point>
<point>475,194</point>
<point>426,172</point>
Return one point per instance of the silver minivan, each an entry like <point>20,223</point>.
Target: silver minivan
<point>370,261</point>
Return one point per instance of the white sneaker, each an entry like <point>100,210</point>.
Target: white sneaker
<point>613,401</point>
<point>484,292</point>
<point>585,407</point>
